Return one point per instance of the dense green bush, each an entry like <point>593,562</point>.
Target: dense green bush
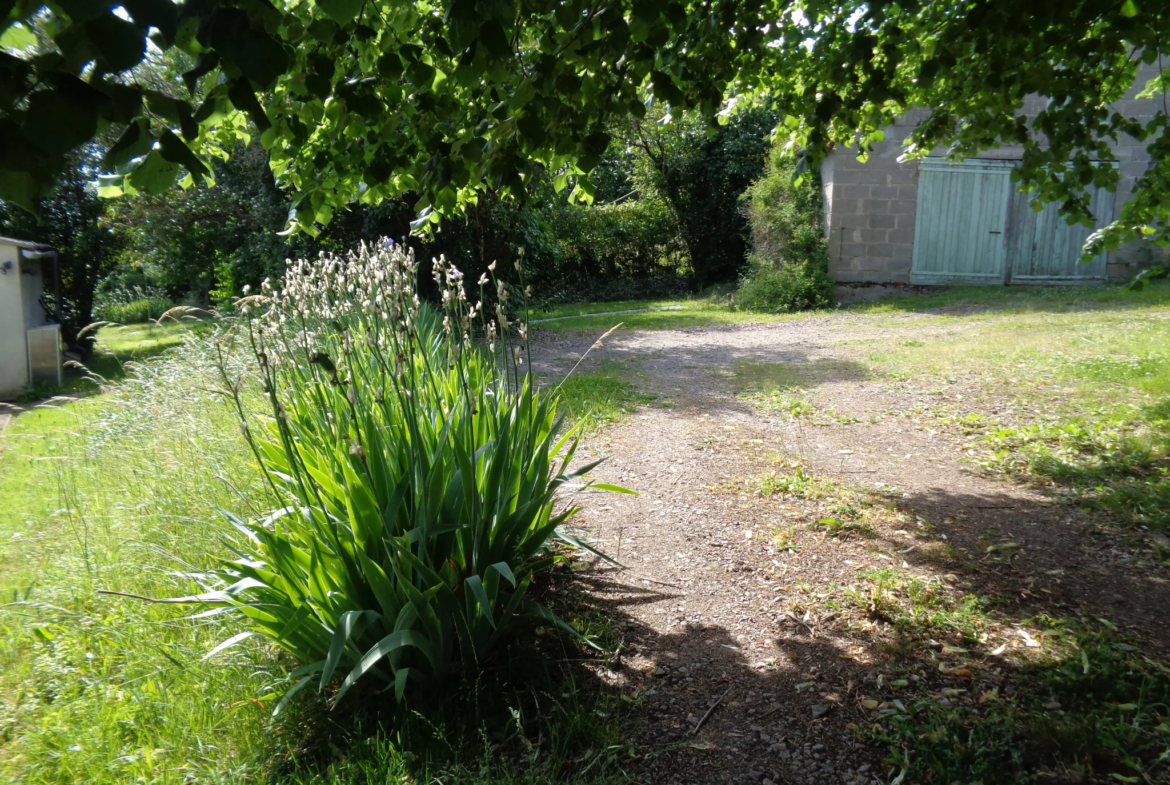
<point>413,468</point>
<point>130,304</point>
<point>783,288</point>
<point>614,251</point>
<point>788,267</point>
<point>216,237</point>
<point>702,174</point>
<point>146,309</point>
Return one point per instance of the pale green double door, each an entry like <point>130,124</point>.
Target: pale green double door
<point>972,226</point>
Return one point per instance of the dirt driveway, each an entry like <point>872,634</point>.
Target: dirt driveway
<point>726,597</point>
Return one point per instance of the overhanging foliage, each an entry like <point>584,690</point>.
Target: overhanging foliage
<point>363,101</point>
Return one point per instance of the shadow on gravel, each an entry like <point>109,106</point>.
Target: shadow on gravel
<point>932,682</point>
<point>715,708</point>
<point>1042,559</point>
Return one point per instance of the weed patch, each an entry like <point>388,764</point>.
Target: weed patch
<point>842,510</point>
<point>1088,705</point>
<point>602,396</point>
<point>789,400</point>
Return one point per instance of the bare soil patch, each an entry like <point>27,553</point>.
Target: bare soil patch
<point>720,613</point>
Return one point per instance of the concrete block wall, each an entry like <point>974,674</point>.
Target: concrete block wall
<point>870,207</point>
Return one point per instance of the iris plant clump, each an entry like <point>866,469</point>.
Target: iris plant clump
<point>418,477</point>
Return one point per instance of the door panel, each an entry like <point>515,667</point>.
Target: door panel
<point>961,221</point>
<point>1048,249</point>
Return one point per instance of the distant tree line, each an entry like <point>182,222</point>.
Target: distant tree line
<point>668,216</point>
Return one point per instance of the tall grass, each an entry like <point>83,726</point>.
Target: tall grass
<point>121,492</point>
<point>131,305</point>
<point>136,490</point>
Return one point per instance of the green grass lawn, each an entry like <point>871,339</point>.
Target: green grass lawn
<point>700,311</point>
<point>601,396</point>
<point>1014,299</point>
<point>1068,388</point>
<point>686,312</point>
<point>122,344</point>
<point>125,491</point>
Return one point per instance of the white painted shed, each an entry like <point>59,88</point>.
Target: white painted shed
<point>30,351</point>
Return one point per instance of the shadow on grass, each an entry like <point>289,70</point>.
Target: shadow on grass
<point>1072,693</point>
<point>1118,468</point>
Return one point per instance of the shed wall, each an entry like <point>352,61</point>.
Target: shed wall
<point>871,207</point>
<point>13,350</point>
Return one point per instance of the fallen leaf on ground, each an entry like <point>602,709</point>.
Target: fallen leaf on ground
<point>959,671</point>
<point>702,745</point>
<point>1005,546</point>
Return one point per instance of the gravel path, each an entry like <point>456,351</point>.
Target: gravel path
<point>716,613</point>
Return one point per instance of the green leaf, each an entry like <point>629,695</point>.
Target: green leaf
<point>583,191</point>
<point>604,486</point>
<point>172,149</point>
<point>17,37</point>
<point>1129,9</point>
<point>505,571</point>
<point>173,110</point>
<point>122,44</point>
<point>24,189</point>
<point>237,41</point>
<point>155,174</point>
<point>323,30</point>
<point>204,64</point>
<point>80,11</point>
<point>475,585</point>
<point>341,11</point>
<point>391,643</point>
<point>135,141</point>
<point>305,674</point>
<point>161,14</point>
<point>350,622</point>
<point>232,641</point>
<point>109,186</point>
<point>244,99</point>
<point>494,39</point>
<point>57,123</point>
<point>125,102</point>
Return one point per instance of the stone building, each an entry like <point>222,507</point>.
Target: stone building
<point>932,221</point>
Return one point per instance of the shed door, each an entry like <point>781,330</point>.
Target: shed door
<point>974,227</point>
<point>962,217</point>
<point>1042,248</point>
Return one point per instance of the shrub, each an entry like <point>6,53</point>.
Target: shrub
<point>617,251</point>
<point>413,468</point>
<point>788,268</point>
<point>146,309</point>
<point>130,305</point>
<point>702,172</point>
<point>783,288</point>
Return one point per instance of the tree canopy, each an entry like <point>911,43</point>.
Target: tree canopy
<point>364,100</point>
